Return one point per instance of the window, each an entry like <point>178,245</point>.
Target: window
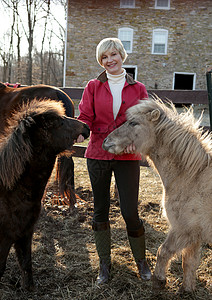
<point>184,81</point>
<point>162,4</point>
<point>127,3</point>
<point>159,41</point>
<point>126,36</point>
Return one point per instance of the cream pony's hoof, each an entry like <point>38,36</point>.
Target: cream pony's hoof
<point>158,284</point>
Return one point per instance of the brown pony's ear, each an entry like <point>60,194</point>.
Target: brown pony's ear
<point>2,85</point>
<point>153,115</point>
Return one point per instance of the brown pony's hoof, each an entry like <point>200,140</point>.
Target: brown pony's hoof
<point>27,284</point>
<point>27,288</point>
<point>158,284</point>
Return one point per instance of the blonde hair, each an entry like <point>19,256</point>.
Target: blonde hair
<point>108,44</point>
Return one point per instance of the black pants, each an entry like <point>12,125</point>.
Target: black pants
<point>127,174</point>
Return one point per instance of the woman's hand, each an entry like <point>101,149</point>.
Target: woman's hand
<point>130,149</point>
<point>80,139</point>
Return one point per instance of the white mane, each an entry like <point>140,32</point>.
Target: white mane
<point>182,134</point>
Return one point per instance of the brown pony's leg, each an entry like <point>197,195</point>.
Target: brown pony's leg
<point>190,262</point>
<point>65,175</point>
<point>5,246</point>
<point>23,252</point>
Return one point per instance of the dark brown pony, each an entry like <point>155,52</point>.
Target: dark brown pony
<point>11,98</point>
<point>35,135</point>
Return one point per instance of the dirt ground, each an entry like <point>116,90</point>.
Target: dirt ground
<point>65,262</point>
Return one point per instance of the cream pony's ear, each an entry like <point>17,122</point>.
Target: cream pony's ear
<point>153,115</point>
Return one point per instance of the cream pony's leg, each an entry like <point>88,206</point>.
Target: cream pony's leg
<point>174,244</point>
<point>190,262</point>
<point>165,252</point>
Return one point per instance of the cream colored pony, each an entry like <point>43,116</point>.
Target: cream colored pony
<point>181,153</point>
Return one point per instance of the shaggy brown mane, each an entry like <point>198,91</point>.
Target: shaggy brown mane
<point>15,147</point>
<point>182,134</point>
<point>36,107</point>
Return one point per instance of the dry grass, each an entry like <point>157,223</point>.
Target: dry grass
<point>64,257</point>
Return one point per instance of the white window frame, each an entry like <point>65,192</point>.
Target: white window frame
<point>185,73</point>
<point>162,7</point>
<point>130,30</point>
<point>132,66</point>
<point>127,3</point>
<point>163,31</point>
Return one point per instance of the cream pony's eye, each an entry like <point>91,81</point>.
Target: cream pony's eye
<point>133,123</point>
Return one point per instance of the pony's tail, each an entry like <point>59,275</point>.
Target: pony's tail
<point>65,179</point>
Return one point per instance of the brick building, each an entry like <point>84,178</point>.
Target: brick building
<point>169,42</point>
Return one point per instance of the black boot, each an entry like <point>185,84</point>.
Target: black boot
<point>144,270</point>
<point>104,273</point>
<point>103,247</point>
<point>137,243</point>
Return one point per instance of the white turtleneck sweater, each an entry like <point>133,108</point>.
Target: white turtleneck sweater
<point>116,84</point>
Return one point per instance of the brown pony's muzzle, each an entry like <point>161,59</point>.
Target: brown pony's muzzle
<point>86,131</point>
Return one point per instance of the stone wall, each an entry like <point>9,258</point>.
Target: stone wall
<point>189,25</point>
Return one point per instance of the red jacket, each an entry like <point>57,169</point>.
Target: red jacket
<point>96,110</point>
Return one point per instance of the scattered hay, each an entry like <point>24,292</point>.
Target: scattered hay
<point>65,262</point>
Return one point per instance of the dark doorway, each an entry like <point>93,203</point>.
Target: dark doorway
<point>183,81</point>
<point>130,71</point>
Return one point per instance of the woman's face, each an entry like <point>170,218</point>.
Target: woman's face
<point>112,61</point>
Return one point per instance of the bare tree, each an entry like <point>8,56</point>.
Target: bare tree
<point>11,48</point>
<point>18,52</point>
<point>27,16</point>
<point>5,66</point>
<point>31,7</point>
<point>43,41</point>
<point>7,50</point>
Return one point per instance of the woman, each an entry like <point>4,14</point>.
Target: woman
<point>103,106</point>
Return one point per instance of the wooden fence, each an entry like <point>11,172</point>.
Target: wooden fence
<point>176,96</point>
